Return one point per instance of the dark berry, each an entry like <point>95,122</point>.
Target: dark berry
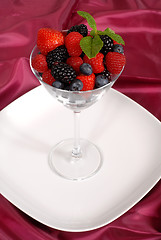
<point>58,84</point>
<point>59,54</point>
<point>67,87</point>
<point>40,74</point>
<point>107,44</point>
<point>101,81</point>
<point>76,85</point>
<point>82,54</point>
<point>118,48</point>
<point>105,73</point>
<point>86,69</point>
<point>82,29</point>
<point>63,72</point>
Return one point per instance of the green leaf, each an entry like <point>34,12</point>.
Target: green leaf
<point>112,35</point>
<point>89,19</point>
<point>106,32</point>
<point>109,30</point>
<point>86,45</point>
<point>97,44</point>
<point>91,46</point>
<point>92,33</point>
<point>118,39</point>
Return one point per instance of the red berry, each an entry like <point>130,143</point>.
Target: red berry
<point>39,63</point>
<point>115,62</point>
<point>96,62</point>
<point>88,81</point>
<point>75,63</point>
<point>47,77</point>
<point>72,43</point>
<point>48,39</point>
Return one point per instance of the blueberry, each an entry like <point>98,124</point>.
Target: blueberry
<point>58,84</point>
<point>101,81</point>
<point>86,69</point>
<point>118,48</point>
<point>76,85</point>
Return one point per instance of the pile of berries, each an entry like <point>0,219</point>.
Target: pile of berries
<point>62,63</point>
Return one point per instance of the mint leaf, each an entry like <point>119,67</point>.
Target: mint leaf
<point>106,32</point>
<point>97,44</point>
<point>91,46</point>
<point>92,33</point>
<point>86,45</point>
<point>109,30</point>
<point>89,19</point>
<point>112,35</point>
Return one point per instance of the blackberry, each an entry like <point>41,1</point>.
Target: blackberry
<point>59,54</point>
<point>63,72</point>
<point>107,44</point>
<point>82,29</point>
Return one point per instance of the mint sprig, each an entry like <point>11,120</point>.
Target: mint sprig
<point>91,45</point>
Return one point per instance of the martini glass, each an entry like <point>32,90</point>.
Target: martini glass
<point>74,159</point>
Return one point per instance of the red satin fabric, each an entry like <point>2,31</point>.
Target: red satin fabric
<point>139,23</point>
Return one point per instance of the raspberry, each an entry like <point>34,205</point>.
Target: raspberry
<point>107,44</point>
<point>72,43</point>
<point>88,81</point>
<point>96,62</point>
<point>75,63</point>
<point>48,78</point>
<point>39,63</point>
<point>115,62</point>
<point>59,54</point>
<point>48,39</point>
<point>63,72</point>
<point>82,29</point>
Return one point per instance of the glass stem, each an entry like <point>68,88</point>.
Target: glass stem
<point>76,152</point>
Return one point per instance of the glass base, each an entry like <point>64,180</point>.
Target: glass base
<point>62,161</point>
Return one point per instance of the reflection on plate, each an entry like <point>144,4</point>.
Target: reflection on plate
<point>129,139</point>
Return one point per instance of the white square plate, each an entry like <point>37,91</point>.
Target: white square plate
<point>128,136</point>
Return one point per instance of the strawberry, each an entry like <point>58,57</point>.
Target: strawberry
<point>47,77</point>
<point>48,39</point>
<point>72,43</point>
<point>88,81</point>
<point>39,63</point>
<point>96,62</point>
<point>75,63</point>
<point>115,62</point>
